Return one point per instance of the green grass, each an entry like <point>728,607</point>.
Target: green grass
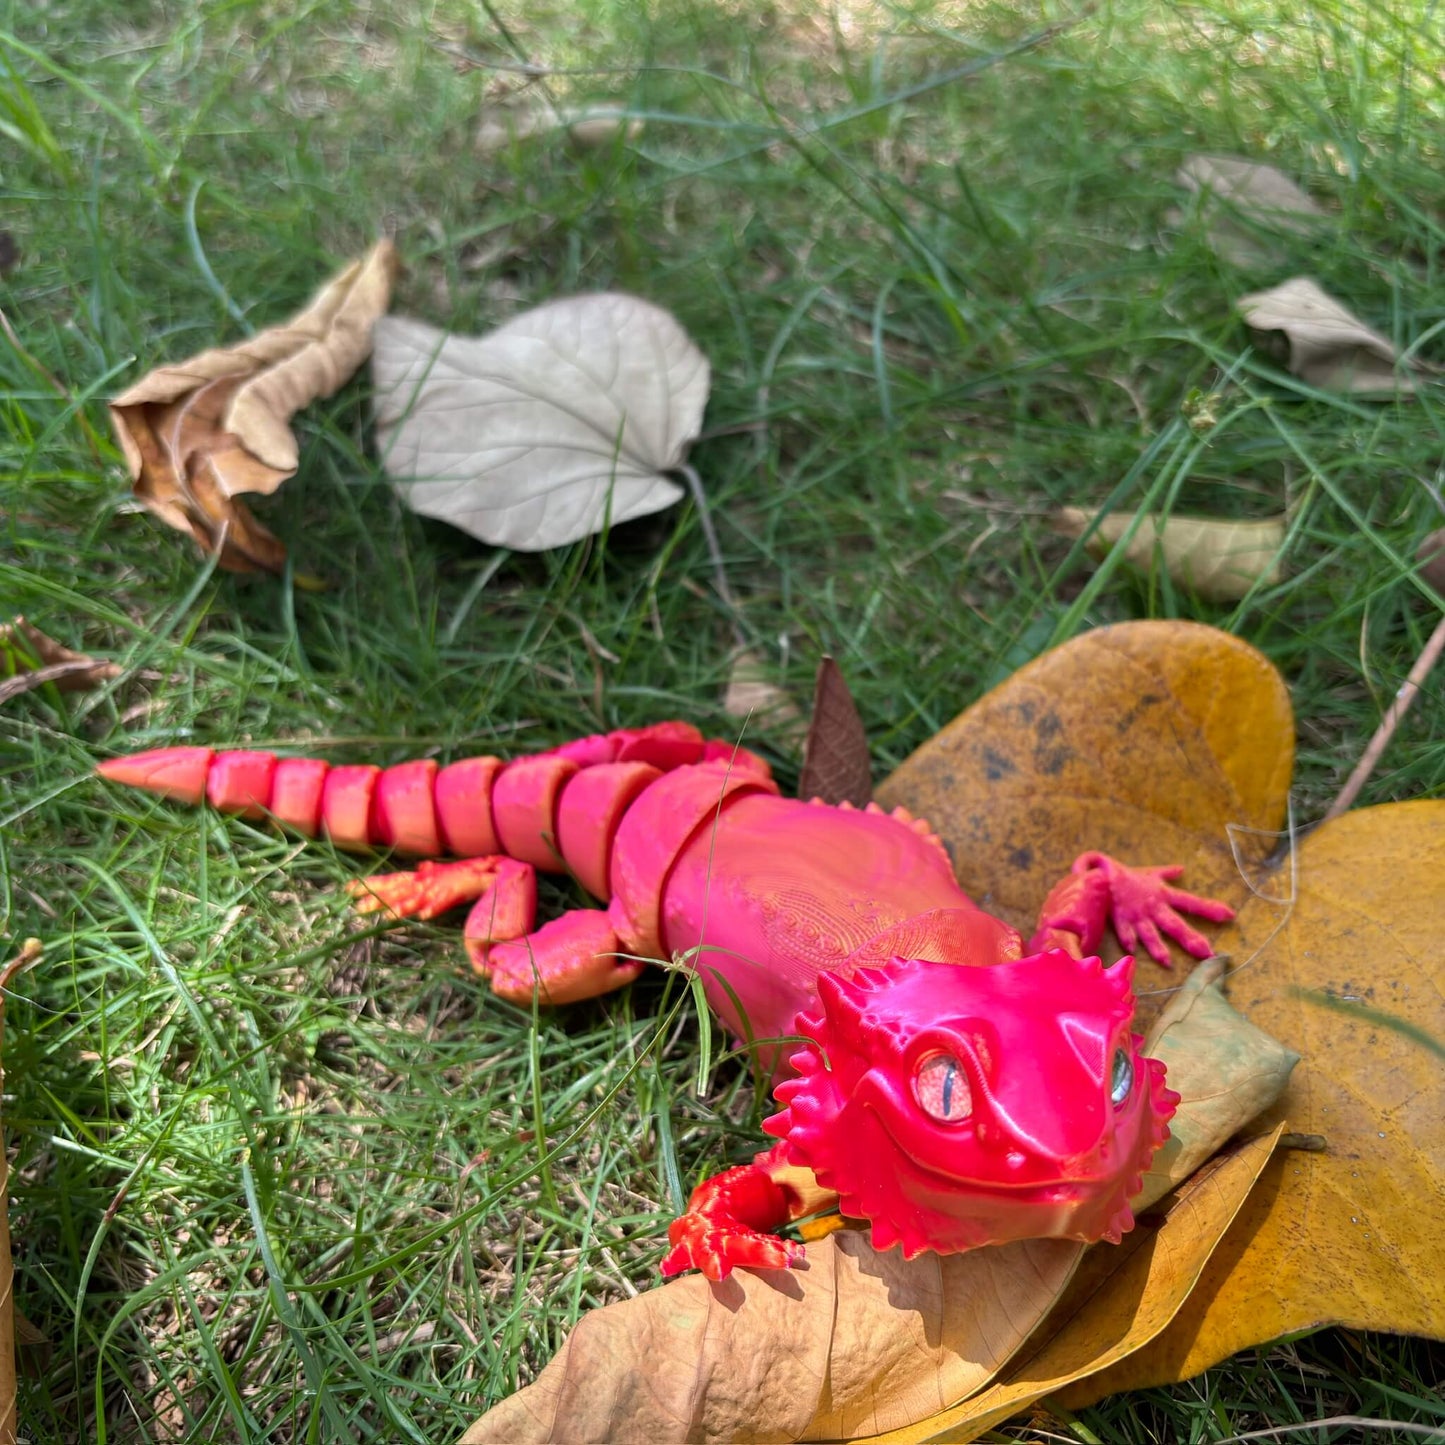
<point>279,1177</point>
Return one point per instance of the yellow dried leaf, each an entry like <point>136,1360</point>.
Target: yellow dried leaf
<point>1147,740</point>
<point>1219,559</point>
<point>198,434</point>
<point>1354,979</point>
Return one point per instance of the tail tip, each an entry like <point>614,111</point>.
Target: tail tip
<point>178,773</point>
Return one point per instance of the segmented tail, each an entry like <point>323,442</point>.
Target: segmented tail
<point>558,810</point>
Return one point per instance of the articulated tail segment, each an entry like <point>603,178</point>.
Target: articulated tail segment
<point>557,811</point>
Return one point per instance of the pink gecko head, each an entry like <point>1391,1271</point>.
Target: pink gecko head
<point>954,1106</point>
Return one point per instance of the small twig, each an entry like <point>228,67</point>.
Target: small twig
<point>1339,1422</point>
<point>1429,656</point>
<point>39,676</point>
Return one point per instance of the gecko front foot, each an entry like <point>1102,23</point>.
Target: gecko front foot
<point>1142,907</point>
<point>725,1226</point>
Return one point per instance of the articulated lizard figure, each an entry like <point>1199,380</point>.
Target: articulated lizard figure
<point>948,1106</point>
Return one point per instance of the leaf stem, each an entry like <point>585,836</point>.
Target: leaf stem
<point>714,549</point>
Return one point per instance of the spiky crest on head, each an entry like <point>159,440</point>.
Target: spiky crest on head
<point>954,1106</point>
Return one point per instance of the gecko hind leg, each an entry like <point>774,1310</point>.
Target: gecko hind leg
<point>576,956</point>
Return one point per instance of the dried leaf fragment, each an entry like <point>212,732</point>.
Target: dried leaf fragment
<point>836,763</point>
<point>200,433</point>
<point>1242,202</point>
<point>751,697</point>
<point>1219,559</point>
<point>555,425</point>
<point>1324,343</point>
<point>520,117</point>
<point>29,659</point>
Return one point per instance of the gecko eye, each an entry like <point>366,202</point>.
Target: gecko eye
<point>942,1089</point>
<point>1122,1078</point>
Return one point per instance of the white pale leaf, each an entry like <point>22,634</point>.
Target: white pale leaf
<point>545,430</point>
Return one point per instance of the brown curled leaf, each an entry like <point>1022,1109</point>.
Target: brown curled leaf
<point>201,433</point>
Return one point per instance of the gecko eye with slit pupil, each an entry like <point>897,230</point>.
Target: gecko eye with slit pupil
<point>942,1089</point>
<point>1122,1078</point>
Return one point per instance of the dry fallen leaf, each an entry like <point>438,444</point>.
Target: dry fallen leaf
<point>199,434</point>
<point>547,429</point>
<point>1354,979</point>
<point>1028,777</point>
<point>857,1343</point>
<point>1323,343</point>
<point>836,764</point>
<point>1227,1071</point>
<point>1147,740</point>
<point>752,698</point>
<point>29,659</point>
<point>1246,206</point>
<point>520,117</point>
<point>1118,1301</point>
<point>1218,559</point>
